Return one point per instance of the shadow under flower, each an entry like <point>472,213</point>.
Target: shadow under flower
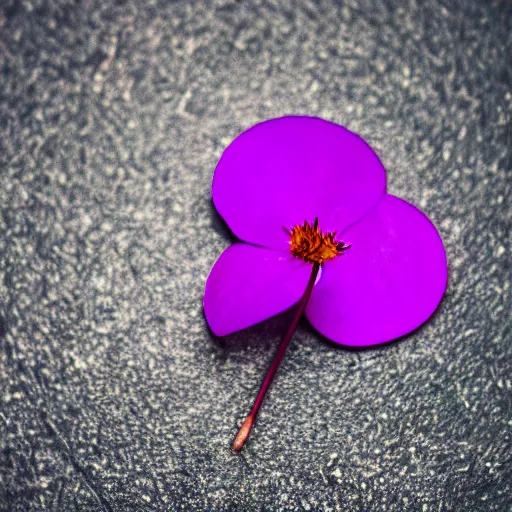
<point>266,335</point>
<point>220,227</point>
<point>263,335</point>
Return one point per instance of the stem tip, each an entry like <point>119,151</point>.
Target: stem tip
<point>243,434</point>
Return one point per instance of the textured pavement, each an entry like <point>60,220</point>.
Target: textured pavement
<point>114,394</point>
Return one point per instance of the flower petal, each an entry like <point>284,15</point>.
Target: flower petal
<point>288,170</point>
<point>249,284</point>
<point>387,284</point>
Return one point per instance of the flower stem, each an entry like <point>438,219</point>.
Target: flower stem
<point>245,429</point>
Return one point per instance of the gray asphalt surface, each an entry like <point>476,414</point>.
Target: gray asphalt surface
<point>114,394</point>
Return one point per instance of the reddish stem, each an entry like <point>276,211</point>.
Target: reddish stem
<point>245,429</point>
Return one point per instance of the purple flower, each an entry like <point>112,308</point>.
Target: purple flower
<point>308,197</point>
<point>283,172</point>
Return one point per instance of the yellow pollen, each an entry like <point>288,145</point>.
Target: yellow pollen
<point>310,244</point>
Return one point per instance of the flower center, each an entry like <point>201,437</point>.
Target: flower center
<point>311,245</point>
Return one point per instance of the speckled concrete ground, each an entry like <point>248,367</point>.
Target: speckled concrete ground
<point>115,396</point>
